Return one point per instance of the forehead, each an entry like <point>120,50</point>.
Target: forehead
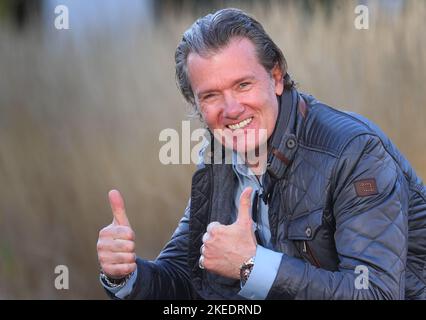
<point>237,59</point>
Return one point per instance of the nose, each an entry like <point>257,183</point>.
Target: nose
<point>233,109</point>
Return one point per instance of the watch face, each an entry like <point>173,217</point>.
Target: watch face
<point>249,262</point>
<point>246,270</point>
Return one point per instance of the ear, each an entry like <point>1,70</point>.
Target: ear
<point>278,78</point>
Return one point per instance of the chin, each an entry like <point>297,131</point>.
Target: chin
<point>243,140</point>
<point>250,146</point>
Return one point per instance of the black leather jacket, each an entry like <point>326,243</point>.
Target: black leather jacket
<point>341,196</point>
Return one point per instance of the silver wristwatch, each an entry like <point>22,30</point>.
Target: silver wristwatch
<point>115,283</point>
<point>245,271</point>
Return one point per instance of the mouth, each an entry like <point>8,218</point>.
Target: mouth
<point>240,125</point>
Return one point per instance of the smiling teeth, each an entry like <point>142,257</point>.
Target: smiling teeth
<point>240,125</point>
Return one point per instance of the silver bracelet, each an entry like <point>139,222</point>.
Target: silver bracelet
<point>245,270</point>
<point>115,283</point>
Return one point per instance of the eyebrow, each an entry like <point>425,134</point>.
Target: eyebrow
<point>241,79</point>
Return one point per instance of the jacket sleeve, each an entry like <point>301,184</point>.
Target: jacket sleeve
<point>370,236</point>
<point>167,277</point>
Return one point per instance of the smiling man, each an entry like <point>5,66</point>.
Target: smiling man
<point>331,209</point>
<point>236,95</point>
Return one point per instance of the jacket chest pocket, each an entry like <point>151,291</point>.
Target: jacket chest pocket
<point>302,231</point>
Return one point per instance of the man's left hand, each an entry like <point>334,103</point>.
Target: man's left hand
<point>226,248</point>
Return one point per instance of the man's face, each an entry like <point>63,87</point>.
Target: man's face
<point>235,94</point>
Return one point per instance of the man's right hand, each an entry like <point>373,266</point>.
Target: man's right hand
<point>116,242</point>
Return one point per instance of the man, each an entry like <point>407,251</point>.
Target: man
<point>328,219</point>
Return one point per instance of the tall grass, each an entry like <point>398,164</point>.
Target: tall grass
<point>80,117</point>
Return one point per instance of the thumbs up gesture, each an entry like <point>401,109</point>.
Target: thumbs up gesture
<point>226,248</point>
<point>116,246</point>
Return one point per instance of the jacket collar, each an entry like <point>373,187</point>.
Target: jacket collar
<point>282,144</point>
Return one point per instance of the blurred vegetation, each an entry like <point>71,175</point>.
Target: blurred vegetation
<point>80,116</point>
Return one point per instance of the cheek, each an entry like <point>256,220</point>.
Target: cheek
<point>270,125</point>
<point>266,105</point>
<point>270,114</point>
<point>210,117</point>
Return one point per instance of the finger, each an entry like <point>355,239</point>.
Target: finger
<point>117,245</point>
<point>117,232</point>
<point>117,206</point>
<point>118,270</point>
<point>244,214</point>
<point>212,225</point>
<point>201,262</point>
<point>110,258</point>
<point>206,237</point>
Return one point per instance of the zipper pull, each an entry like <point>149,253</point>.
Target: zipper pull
<point>304,247</point>
<point>254,207</point>
<point>255,210</point>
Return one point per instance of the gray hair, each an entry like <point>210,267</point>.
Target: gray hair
<point>213,32</point>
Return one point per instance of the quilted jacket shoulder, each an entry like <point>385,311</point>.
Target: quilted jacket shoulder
<point>330,130</point>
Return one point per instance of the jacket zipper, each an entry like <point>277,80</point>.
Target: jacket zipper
<point>308,251</point>
<point>255,210</point>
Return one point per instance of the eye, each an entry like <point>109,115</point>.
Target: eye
<point>243,85</point>
<point>208,96</point>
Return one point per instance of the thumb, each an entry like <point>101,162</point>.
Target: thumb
<point>245,203</point>
<point>117,206</point>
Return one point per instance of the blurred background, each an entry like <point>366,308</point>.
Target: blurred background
<point>81,111</point>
